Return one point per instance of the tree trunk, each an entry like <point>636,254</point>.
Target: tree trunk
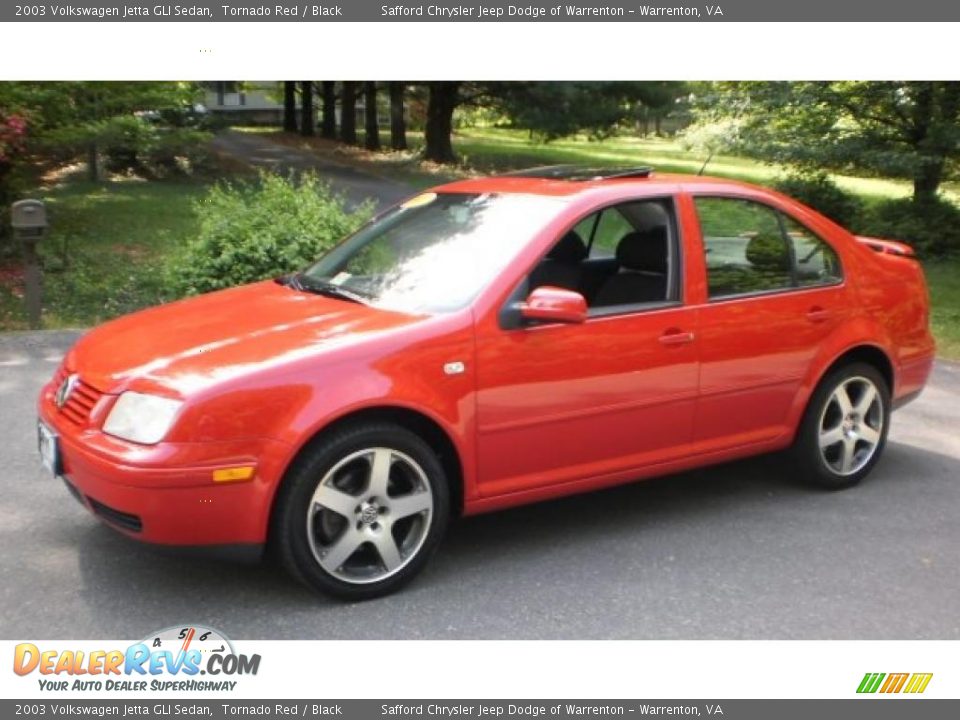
<point>306,110</point>
<point>371,128</point>
<point>438,145</point>
<point>929,171</point>
<point>348,113</point>
<point>927,179</point>
<point>657,120</point>
<point>329,125</point>
<point>398,122</point>
<point>93,162</point>
<point>290,106</point>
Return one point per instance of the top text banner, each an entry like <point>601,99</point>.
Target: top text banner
<point>489,11</point>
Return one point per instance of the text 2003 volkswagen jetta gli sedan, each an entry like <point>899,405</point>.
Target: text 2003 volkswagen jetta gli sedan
<point>494,342</point>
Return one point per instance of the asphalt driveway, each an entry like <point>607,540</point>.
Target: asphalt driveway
<point>730,552</point>
<point>262,153</point>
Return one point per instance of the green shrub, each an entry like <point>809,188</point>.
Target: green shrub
<point>139,145</point>
<point>255,230</point>
<point>933,228</point>
<point>818,191</point>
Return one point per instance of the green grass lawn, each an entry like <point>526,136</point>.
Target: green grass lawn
<point>488,150</point>
<point>492,149</point>
<point>944,281</point>
<point>117,237</point>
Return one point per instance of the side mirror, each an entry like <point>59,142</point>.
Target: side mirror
<point>553,304</point>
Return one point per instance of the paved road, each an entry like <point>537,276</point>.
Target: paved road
<point>259,151</point>
<point>730,552</point>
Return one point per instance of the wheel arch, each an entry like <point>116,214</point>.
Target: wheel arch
<point>424,426</point>
<point>864,351</point>
<point>868,353</point>
<point>806,436</point>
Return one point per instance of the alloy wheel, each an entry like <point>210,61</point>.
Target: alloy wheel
<point>851,425</point>
<point>370,515</point>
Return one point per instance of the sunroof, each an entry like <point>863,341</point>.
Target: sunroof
<point>582,173</point>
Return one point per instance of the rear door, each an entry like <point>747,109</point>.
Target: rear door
<point>774,293</point>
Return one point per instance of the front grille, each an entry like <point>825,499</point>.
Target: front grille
<point>81,401</point>
<point>115,517</point>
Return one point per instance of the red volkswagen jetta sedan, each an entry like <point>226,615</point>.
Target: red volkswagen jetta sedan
<point>490,343</point>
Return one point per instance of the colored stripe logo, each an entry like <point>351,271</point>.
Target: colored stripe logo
<point>913,683</point>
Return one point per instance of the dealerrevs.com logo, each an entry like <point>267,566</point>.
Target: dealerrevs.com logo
<point>179,658</point>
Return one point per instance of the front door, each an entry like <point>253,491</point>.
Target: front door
<point>565,402</point>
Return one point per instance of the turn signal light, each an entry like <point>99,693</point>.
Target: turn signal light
<point>234,474</point>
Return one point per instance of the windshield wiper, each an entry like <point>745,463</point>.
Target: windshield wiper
<point>290,280</point>
<point>304,283</point>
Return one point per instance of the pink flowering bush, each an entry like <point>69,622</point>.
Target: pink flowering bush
<point>13,140</point>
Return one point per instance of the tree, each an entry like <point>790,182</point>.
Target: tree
<point>348,113</point>
<point>398,121</point>
<point>892,129</point>
<point>371,137</point>
<point>444,97</point>
<point>328,126</point>
<point>307,122</point>
<point>656,101</point>
<point>551,110</point>
<point>74,116</point>
<point>290,106</point>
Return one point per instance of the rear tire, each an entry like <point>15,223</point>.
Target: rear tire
<point>844,429</point>
<point>361,511</point>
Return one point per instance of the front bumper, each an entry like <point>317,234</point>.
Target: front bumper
<point>165,493</point>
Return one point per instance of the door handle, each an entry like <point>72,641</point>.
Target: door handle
<point>817,314</point>
<point>676,337</point>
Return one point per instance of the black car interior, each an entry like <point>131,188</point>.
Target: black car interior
<point>563,265</point>
<point>608,271</point>
<point>642,270</point>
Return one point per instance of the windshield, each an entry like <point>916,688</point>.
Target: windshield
<point>435,252</point>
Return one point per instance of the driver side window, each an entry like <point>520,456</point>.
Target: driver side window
<point>620,256</point>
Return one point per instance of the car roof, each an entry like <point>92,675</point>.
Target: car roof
<point>570,180</point>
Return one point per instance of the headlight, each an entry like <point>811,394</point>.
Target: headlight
<point>141,418</point>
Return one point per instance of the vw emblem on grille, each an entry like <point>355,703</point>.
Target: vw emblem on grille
<point>66,387</point>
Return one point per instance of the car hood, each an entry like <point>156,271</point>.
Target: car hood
<point>191,344</point>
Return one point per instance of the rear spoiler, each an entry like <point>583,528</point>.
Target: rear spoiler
<point>887,247</point>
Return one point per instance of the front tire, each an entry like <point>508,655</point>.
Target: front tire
<point>844,429</point>
<point>361,511</point>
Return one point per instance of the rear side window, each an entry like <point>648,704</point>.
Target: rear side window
<point>746,250</point>
<point>752,248</point>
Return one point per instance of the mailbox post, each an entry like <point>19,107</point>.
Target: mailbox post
<point>29,221</point>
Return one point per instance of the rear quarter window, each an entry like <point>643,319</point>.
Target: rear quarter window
<point>816,262</point>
